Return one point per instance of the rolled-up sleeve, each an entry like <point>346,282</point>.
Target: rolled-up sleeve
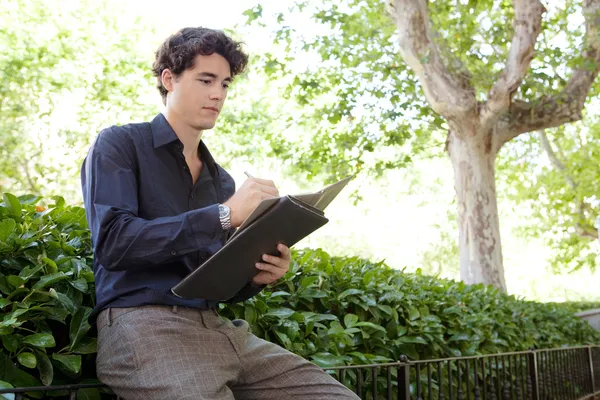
<point>120,238</point>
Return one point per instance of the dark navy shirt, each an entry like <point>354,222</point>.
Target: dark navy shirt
<point>150,225</point>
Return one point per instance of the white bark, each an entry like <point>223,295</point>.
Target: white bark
<point>527,25</point>
<point>566,106</point>
<point>473,160</point>
<point>449,95</point>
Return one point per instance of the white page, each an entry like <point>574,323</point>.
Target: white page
<point>319,200</point>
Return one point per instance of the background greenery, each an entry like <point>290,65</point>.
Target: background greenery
<point>331,310</point>
<point>75,67</point>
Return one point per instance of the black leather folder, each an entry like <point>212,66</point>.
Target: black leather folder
<point>287,220</point>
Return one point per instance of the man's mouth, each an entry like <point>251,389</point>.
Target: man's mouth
<point>212,109</point>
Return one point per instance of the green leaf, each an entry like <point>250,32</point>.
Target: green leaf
<point>88,394</point>
<point>285,340</point>
<point>45,368</point>
<point>17,376</point>
<point>402,330</point>
<point>79,326</point>
<point>453,310</point>
<point>80,284</point>
<point>51,266</point>
<point>280,312</point>
<point>414,314</point>
<point>371,325</point>
<point>250,314</point>
<point>27,272</point>
<point>15,281</point>
<point>413,339</point>
<point>350,320</point>
<point>431,318</point>
<point>279,293</point>
<point>460,337</point>
<point>13,205</point>
<point>40,340</point>
<point>324,360</point>
<point>64,300</point>
<point>4,302</point>
<point>349,292</point>
<point>452,351</point>
<point>49,280</point>
<point>27,359</point>
<point>386,309</point>
<point>7,228</point>
<point>10,342</point>
<point>9,321</point>
<point>86,346</point>
<point>71,362</point>
<point>6,385</point>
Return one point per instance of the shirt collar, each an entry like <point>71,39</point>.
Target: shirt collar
<point>162,133</point>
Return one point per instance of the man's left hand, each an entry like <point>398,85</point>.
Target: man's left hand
<point>273,268</point>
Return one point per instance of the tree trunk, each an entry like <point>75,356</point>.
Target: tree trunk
<point>473,159</point>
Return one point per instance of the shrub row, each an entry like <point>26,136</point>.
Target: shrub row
<point>331,310</point>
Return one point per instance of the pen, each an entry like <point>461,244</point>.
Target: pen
<point>248,174</point>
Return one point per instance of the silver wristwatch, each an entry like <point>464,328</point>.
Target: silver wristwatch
<point>225,216</point>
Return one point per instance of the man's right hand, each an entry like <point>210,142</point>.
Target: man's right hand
<point>248,196</point>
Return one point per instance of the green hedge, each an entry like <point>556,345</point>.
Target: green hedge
<point>578,306</point>
<point>330,310</point>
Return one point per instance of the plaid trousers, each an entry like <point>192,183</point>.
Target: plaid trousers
<point>162,352</point>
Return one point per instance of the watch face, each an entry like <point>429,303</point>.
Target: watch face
<point>223,212</point>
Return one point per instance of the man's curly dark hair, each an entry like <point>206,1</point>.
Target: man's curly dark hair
<point>179,50</point>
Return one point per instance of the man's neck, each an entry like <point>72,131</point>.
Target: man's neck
<point>188,136</point>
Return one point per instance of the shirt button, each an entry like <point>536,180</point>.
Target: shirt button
<point>191,196</point>
<point>173,253</point>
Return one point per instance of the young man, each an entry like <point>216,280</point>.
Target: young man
<point>158,205</point>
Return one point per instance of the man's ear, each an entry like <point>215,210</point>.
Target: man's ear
<point>167,79</point>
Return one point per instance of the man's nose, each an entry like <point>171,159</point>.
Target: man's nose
<point>217,93</point>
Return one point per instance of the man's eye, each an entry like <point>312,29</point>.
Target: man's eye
<point>206,82</point>
<point>226,86</point>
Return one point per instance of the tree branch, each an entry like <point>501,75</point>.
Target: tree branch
<point>527,26</point>
<point>555,161</point>
<point>566,106</point>
<point>582,228</point>
<point>32,186</point>
<point>450,95</point>
<point>589,232</point>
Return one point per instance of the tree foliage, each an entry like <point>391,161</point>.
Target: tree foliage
<point>556,174</point>
<point>360,97</point>
<point>72,69</point>
<point>363,106</point>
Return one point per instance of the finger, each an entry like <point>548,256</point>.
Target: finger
<point>264,278</point>
<point>266,182</point>
<point>276,261</point>
<point>274,270</point>
<point>285,252</point>
<point>270,190</point>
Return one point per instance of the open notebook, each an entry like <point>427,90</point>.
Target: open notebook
<point>287,219</point>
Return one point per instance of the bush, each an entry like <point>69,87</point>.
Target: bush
<point>338,311</point>
<point>330,310</point>
<point>578,306</point>
<point>46,287</point>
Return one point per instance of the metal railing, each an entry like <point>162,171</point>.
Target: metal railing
<point>554,374</point>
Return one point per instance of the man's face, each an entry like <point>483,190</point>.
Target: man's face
<point>198,94</point>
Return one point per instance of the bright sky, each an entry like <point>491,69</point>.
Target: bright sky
<point>210,14</point>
